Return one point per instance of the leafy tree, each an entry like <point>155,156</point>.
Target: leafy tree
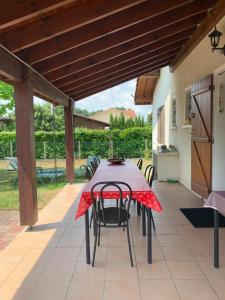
<point>149,119</point>
<point>6,98</point>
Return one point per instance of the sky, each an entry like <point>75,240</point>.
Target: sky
<point>118,96</point>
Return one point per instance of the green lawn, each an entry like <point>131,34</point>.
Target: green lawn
<point>46,191</point>
<point>9,191</point>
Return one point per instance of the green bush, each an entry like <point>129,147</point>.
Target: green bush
<point>128,143</point>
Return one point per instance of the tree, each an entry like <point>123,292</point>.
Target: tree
<point>149,119</point>
<point>6,98</point>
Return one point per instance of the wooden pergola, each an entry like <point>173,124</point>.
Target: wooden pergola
<point>66,50</point>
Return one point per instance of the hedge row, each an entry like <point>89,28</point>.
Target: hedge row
<point>129,142</point>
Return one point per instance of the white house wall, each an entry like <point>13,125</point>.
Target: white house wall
<point>197,65</point>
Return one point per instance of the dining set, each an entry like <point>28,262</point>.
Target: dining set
<point>114,185</point>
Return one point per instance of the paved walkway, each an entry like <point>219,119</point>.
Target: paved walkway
<point>9,227</point>
<point>48,263</point>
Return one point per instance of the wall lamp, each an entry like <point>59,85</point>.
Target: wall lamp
<point>215,39</point>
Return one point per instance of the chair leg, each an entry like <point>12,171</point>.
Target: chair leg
<point>153,222</point>
<point>95,245</point>
<point>138,208</point>
<point>91,218</point>
<point>99,232</point>
<point>129,245</point>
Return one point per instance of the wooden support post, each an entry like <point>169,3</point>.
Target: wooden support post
<point>69,140</point>
<point>26,152</point>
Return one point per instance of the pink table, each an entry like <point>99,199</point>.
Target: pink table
<point>126,172</point>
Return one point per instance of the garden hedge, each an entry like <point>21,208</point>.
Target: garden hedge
<point>129,142</point>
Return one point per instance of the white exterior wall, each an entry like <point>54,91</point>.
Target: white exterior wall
<point>197,65</point>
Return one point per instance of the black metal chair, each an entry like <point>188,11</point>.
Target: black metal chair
<point>88,171</point>
<point>112,216</point>
<point>140,163</point>
<point>149,175</point>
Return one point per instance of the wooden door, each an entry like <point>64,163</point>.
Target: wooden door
<point>201,141</point>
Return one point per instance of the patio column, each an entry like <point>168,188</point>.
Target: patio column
<point>69,142</point>
<point>26,151</point>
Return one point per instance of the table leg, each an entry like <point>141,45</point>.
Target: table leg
<point>138,208</point>
<point>143,220</point>
<point>149,231</point>
<point>87,238</point>
<point>216,238</point>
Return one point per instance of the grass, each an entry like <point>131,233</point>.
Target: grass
<point>45,192</point>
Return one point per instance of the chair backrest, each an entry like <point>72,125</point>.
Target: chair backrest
<point>88,172</point>
<point>149,174</point>
<point>140,163</point>
<point>118,187</point>
<point>96,161</point>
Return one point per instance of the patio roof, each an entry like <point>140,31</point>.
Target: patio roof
<point>74,48</point>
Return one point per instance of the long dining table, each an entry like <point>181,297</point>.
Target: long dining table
<point>126,172</point>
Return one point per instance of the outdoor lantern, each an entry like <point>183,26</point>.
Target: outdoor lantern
<point>215,39</point>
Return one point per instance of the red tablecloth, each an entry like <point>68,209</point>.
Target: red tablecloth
<point>126,172</point>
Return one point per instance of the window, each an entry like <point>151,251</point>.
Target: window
<point>187,112</point>
<point>161,125</point>
<point>174,113</point>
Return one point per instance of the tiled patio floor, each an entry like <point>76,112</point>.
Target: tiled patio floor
<point>48,263</point>
<point>9,227</point>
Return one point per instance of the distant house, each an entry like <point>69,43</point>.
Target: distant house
<point>104,116</point>
<point>86,122</point>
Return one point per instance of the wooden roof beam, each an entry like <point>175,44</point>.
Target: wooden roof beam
<point>146,58</point>
<point>21,11</point>
<point>213,17</point>
<point>119,37</point>
<point>117,75</point>
<point>130,50</point>
<point>62,21</point>
<point>83,95</point>
<point>13,69</point>
<point>96,30</point>
<point>10,67</point>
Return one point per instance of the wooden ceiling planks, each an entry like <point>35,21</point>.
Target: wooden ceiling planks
<point>61,21</point>
<point>84,46</point>
<point>119,37</point>
<point>93,31</point>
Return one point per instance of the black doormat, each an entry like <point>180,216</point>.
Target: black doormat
<point>202,217</point>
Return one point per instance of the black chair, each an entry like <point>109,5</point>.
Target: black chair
<point>149,175</point>
<point>112,216</point>
<point>140,163</point>
<point>88,171</point>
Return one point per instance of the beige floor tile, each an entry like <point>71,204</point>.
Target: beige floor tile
<point>56,271</point>
<point>6,269</point>
<point>158,290</point>
<point>141,253</point>
<point>15,291</point>
<point>179,221</point>
<point>12,254</point>
<point>86,290</point>
<point>140,240</point>
<point>65,254</point>
<point>185,270</point>
<point>27,271</point>
<point>50,290</point>
<point>162,221</point>
<point>122,290</point>
<point>195,290</point>
<point>99,257</point>
<point>37,255</point>
<point>119,254</point>
<point>210,271</point>
<point>87,272</point>
<point>166,229</point>
<point>169,240</point>
<point>120,271</point>
<point>46,242</point>
<point>177,253</point>
<point>70,242</point>
<point>219,287</point>
<point>156,270</point>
